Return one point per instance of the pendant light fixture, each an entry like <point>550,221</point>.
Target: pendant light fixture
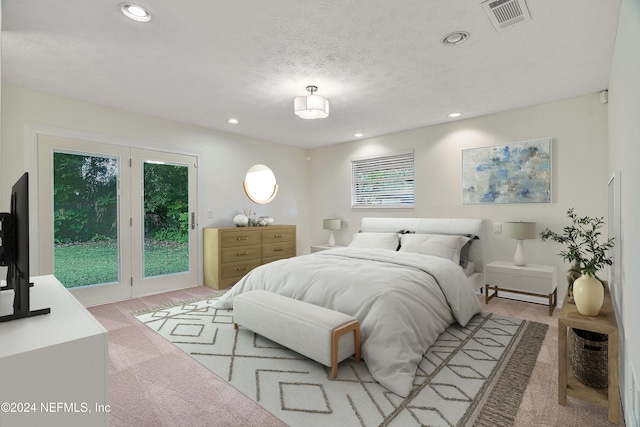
<point>311,106</point>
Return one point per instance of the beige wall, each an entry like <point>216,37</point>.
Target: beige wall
<point>578,128</point>
<point>624,155</point>
<point>225,158</point>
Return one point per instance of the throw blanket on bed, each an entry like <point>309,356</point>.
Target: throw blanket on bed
<point>403,301</point>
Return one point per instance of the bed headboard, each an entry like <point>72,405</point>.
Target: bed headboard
<point>434,226</point>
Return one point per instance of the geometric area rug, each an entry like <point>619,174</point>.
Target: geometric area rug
<point>471,376</point>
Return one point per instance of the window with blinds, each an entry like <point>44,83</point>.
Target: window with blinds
<point>385,181</point>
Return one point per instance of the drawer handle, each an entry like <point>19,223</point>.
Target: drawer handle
<point>243,238</point>
<point>278,235</point>
<point>241,268</point>
<point>242,253</point>
<point>278,249</point>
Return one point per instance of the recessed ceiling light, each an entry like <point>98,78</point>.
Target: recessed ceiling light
<point>455,38</point>
<point>454,115</point>
<point>135,12</point>
<point>233,121</point>
<point>358,135</point>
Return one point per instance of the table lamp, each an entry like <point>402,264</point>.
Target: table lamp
<point>519,231</point>
<point>331,224</point>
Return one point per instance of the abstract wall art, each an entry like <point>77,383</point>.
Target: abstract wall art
<point>519,172</point>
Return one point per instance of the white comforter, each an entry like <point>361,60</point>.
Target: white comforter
<point>403,301</point>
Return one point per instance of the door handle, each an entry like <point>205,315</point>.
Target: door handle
<point>193,220</point>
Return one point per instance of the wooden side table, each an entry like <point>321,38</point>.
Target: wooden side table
<point>604,323</point>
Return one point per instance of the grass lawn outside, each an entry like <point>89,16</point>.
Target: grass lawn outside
<point>91,263</point>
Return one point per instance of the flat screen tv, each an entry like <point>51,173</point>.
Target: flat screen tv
<point>14,251</point>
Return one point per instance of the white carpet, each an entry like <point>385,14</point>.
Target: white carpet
<point>453,388</point>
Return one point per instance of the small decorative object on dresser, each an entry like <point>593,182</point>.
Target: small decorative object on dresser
<point>265,220</point>
<point>584,249</point>
<point>241,220</point>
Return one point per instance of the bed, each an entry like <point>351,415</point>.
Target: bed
<point>402,278</point>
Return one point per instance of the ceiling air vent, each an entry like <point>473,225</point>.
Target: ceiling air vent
<point>506,13</point>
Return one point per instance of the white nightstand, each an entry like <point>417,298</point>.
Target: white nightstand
<point>533,280</point>
<point>319,248</point>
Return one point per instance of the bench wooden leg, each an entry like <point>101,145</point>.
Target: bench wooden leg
<point>335,337</point>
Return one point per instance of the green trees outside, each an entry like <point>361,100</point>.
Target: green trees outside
<point>85,200</point>
<point>166,203</point>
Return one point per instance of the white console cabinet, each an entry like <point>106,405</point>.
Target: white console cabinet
<point>531,280</point>
<point>54,368</point>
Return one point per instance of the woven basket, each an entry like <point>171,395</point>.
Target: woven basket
<point>589,353</point>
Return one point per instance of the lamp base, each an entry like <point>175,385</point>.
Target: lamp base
<point>518,258</point>
<point>332,240</point>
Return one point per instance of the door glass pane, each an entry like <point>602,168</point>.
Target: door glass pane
<point>85,208</point>
<point>166,218</point>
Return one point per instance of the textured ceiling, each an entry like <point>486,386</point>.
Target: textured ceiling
<point>380,63</point>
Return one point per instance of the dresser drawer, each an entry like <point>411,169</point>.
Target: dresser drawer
<point>240,237</point>
<point>241,253</point>
<point>521,282</point>
<point>279,249</point>
<point>274,235</point>
<point>238,269</point>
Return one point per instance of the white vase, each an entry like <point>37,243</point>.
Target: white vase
<point>241,220</point>
<point>588,294</point>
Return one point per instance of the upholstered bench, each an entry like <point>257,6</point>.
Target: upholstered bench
<point>316,332</point>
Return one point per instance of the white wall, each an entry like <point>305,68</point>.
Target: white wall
<point>624,154</point>
<point>578,128</point>
<point>225,158</point>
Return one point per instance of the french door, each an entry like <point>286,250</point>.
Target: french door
<point>116,222</point>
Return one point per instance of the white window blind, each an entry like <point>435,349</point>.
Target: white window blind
<point>385,181</point>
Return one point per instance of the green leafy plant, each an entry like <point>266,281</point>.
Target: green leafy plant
<point>582,240</point>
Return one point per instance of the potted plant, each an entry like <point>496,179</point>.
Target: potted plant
<point>586,252</point>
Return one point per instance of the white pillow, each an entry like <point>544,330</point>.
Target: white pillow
<point>443,246</point>
<point>375,241</point>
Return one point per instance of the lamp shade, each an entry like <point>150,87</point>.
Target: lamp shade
<point>519,230</point>
<point>311,106</point>
<point>331,224</point>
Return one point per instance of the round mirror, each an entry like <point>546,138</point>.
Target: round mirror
<point>260,184</point>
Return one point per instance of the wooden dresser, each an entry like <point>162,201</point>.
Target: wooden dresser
<point>231,252</point>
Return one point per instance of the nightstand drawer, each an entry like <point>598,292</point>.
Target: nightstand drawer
<point>519,281</point>
<point>530,280</point>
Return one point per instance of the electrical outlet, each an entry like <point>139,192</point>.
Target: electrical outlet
<point>497,228</point>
